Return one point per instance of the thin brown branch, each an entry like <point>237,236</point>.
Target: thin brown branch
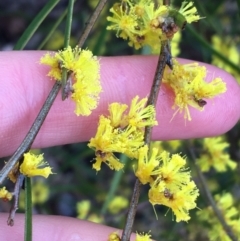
<point>28,140</point>
<point>90,23</point>
<point>147,138</point>
<point>163,57</point>
<point>16,193</point>
<point>131,212</point>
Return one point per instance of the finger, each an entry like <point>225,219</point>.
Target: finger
<point>25,87</point>
<point>55,228</point>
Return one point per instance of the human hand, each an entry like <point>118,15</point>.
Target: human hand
<point>54,228</point>
<point>25,88</point>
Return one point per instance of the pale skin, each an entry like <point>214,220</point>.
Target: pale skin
<point>24,87</point>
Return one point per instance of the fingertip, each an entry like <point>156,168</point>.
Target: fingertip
<point>55,228</point>
<point>27,86</point>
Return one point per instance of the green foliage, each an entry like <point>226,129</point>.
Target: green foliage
<point>75,179</point>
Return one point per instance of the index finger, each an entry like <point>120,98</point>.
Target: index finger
<point>25,87</point>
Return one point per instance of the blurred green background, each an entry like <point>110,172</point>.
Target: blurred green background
<point>75,180</point>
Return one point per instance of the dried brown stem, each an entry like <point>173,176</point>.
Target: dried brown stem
<point>91,22</point>
<point>16,193</point>
<point>28,140</point>
<point>147,138</point>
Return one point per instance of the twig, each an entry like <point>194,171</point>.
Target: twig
<point>28,140</point>
<point>66,44</point>
<point>131,212</point>
<point>31,135</point>
<point>163,57</point>
<point>147,138</point>
<point>17,189</point>
<point>91,22</point>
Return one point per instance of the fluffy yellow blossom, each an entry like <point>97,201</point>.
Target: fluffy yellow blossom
<point>114,236</point>
<point>117,204</point>
<point>123,22</point>
<point>34,165</point>
<point>106,138</point>
<point>12,175</point>
<point>133,140</point>
<point>161,167</point>
<point>105,144</point>
<point>214,229</point>
<point>55,71</point>
<point>142,22</point>
<point>173,170</point>
<point>5,194</point>
<point>146,168</point>
<point>139,115</point>
<point>83,69</point>
<point>116,111</point>
<point>109,140</point>
<point>215,155</point>
<point>143,237</point>
<point>139,237</point>
<point>169,180</point>
<point>189,12</point>
<point>179,200</point>
<point>190,87</point>
<point>121,133</point>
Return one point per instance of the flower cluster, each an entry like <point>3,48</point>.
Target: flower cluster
<point>121,132</point>
<point>5,194</point>
<point>83,69</point>
<point>170,182</point>
<point>34,165</point>
<point>139,237</point>
<point>142,23</point>
<point>114,237</point>
<point>190,87</point>
<point>143,237</point>
<point>215,155</point>
<point>214,228</point>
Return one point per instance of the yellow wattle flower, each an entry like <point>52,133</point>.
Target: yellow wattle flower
<point>144,23</point>
<point>34,165</point>
<point>121,132</point>
<point>180,200</point>
<point>188,81</point>
<point>84,71</point>
<point>143,237</point>
<point>5,194</point>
